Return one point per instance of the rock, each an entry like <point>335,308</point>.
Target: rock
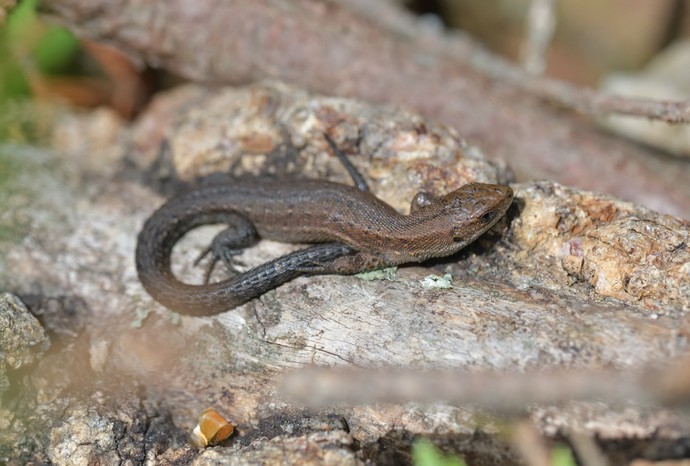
<point>22,338</point>
<point>332,448</point>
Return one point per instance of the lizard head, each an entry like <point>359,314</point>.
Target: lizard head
<point>474,208</point>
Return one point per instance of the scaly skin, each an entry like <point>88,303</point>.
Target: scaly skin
<point>360,233</point>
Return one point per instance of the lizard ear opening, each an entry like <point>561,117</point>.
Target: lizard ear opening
<point>462,241</point>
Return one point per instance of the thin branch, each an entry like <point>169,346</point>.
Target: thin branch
<point>594,103</point>
<point>530,444</point>
<point>587,449</point>
<point>541,24</point>
<point>500,391</point>
<point>583,100</point>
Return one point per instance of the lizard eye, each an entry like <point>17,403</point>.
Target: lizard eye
<point>488,216</point>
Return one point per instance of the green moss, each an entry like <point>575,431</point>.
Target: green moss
<point>9,166</point>
<point>434,281</point>
<point>382,274</point>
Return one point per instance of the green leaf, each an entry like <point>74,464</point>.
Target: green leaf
<point>55,49</point>
<point>26,41</point>
<point>20,21</point>
<point>562,456</point>
<point>424,453</point>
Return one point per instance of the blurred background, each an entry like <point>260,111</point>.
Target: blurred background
<point>591,40</point>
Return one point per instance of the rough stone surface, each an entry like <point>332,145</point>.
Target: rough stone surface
<point>332,448</point>
<point>276,129</point>
<point>22,338</point>
<point>563,237</point>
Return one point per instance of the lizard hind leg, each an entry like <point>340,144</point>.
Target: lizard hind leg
<point>226,245</point>
<point>316,259</point>
<point>355,263</point>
